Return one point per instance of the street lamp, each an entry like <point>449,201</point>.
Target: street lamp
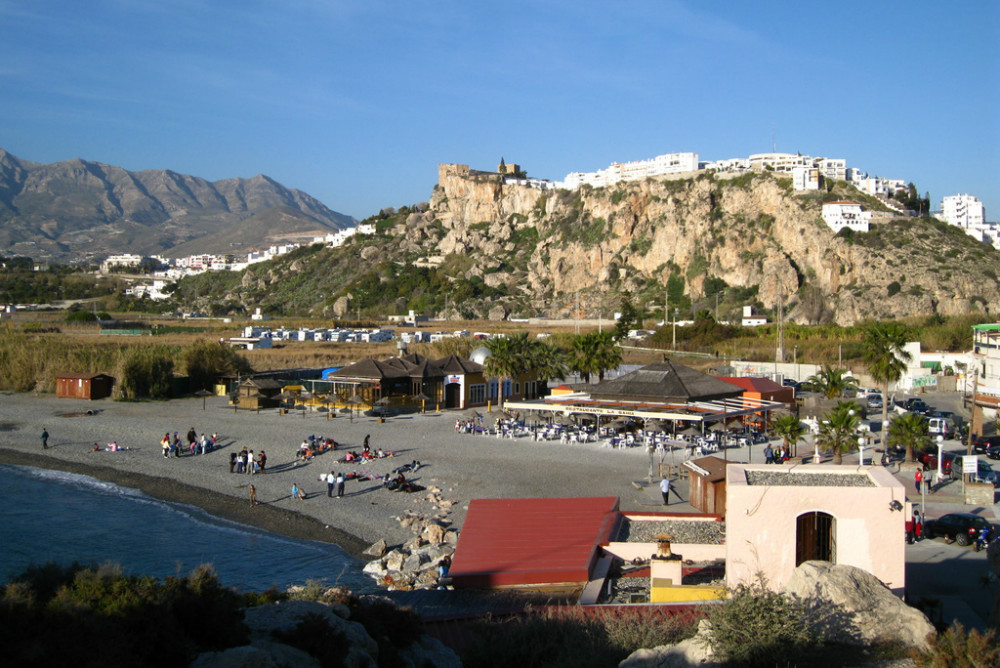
<point>940,472</point>
<point>861,449</point>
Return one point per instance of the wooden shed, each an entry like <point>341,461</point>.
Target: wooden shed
<point>84,385</point>
<point>257,393</point>
<point>707,484</point>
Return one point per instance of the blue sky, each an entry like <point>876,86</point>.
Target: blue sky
<point>357,102</point>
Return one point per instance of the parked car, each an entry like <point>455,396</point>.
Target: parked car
<point>956,527</point>
<point>982,444</point>
<point>929,459</point>
<point>874,401</point>
<point>940,426</point>
<point>789,382</point>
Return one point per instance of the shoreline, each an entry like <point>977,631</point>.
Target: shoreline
<point>269,518</point>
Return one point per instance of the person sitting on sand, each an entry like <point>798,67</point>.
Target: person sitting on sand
<point>297,493</point>
<point>97,448</point>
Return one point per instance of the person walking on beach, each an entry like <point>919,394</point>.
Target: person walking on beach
<point>45,438</point>
<point>232,461</point>
<point>340,484</point>
<point>665,490</point>
<point>253,496</point>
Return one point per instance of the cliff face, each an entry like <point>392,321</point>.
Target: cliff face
<point>552,250</point>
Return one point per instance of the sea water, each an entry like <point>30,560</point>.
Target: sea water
<point>52,516</point>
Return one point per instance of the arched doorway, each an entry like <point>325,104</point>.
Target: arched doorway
<point>815,538</point>
<point>452,395</point>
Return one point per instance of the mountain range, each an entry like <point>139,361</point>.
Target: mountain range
<point>78,210</point>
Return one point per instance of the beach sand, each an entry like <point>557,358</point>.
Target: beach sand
<point>462,466</point>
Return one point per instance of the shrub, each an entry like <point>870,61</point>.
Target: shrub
<point>956,648</point>
<point>759,627</point>
<point>893,289</point>
<point>144,373</point>
<point>206,361</point>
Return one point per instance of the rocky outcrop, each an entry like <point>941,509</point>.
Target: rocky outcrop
<point>848,605</point>
<point>414,564</point>
<point>750,230</point>
<point>267,624</point>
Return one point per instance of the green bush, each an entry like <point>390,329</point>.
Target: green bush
<point>144,373</point>
<point>86,616</point>
<point>207,361</point>
<point>759,627</point>
<point>554,638</point>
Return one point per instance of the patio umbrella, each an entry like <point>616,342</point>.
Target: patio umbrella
<point>383,401</point>
<point>655,426</point>
<point>423,399</point>
<point>204,394</point>
<point>472,413</point>
<point>717,426</point>
<point>689,431</point>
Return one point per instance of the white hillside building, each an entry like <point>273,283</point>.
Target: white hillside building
<point>669,163</point>
<point>839,215</point>
<point>963,211</point>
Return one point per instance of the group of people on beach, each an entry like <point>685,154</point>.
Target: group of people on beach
<point>776,455</point>
<point>193,444</point>
<point>245,462</point>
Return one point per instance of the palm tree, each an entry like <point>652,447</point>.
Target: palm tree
<point>839,431</point>
<point>595,353</point>
<point>886,360</point>
<point>507,359</point>
<point>832,381</point>
<point>546,360</point>
<point>791,430</point>
<point>910,431</point>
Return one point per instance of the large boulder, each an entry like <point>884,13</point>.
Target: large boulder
<point>266,620</point>
<point>846,604</point>
<point>694,651</point>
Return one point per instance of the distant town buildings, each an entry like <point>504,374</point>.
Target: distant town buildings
<point>670,163</point>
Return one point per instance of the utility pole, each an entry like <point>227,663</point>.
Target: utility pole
<point>779,354</point>
<point>674,344</point>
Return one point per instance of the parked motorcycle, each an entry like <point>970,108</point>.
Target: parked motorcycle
<point>983,539</point>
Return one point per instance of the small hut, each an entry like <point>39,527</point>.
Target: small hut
<point>257,393</point>
<point>708,484</point>
<point>84,385</point>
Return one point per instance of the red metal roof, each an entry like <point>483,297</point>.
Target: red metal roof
<point>511,542</point>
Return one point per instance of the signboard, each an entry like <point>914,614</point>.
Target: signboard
<point>453,379</point>
<point>925,381</point>
<point>970,464</point>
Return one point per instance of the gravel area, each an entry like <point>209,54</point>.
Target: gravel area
<point>792,479</point>
<point>703,533</point>
<point>462,466</point>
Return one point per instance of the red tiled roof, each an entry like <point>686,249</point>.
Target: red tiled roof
<point>751,384</point>
<point>509,542</point>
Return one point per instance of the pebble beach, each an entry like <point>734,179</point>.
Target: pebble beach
<point>457,467</point>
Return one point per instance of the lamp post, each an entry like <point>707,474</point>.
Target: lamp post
<point>861,449</point>
<point>940,473</point>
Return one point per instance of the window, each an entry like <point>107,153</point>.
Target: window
<point>477,394</point>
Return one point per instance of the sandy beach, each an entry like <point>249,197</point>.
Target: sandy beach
<point>462,466</point>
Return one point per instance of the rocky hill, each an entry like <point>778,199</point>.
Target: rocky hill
<point>486,248</point>
<point>76,210</point>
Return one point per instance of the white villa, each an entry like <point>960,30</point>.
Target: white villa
<point>839,215</point>
<point>669,163</point>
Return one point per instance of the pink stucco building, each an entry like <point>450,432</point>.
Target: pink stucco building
<point>779,516</point>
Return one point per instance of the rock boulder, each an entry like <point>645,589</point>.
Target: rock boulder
<point>849,605</point>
